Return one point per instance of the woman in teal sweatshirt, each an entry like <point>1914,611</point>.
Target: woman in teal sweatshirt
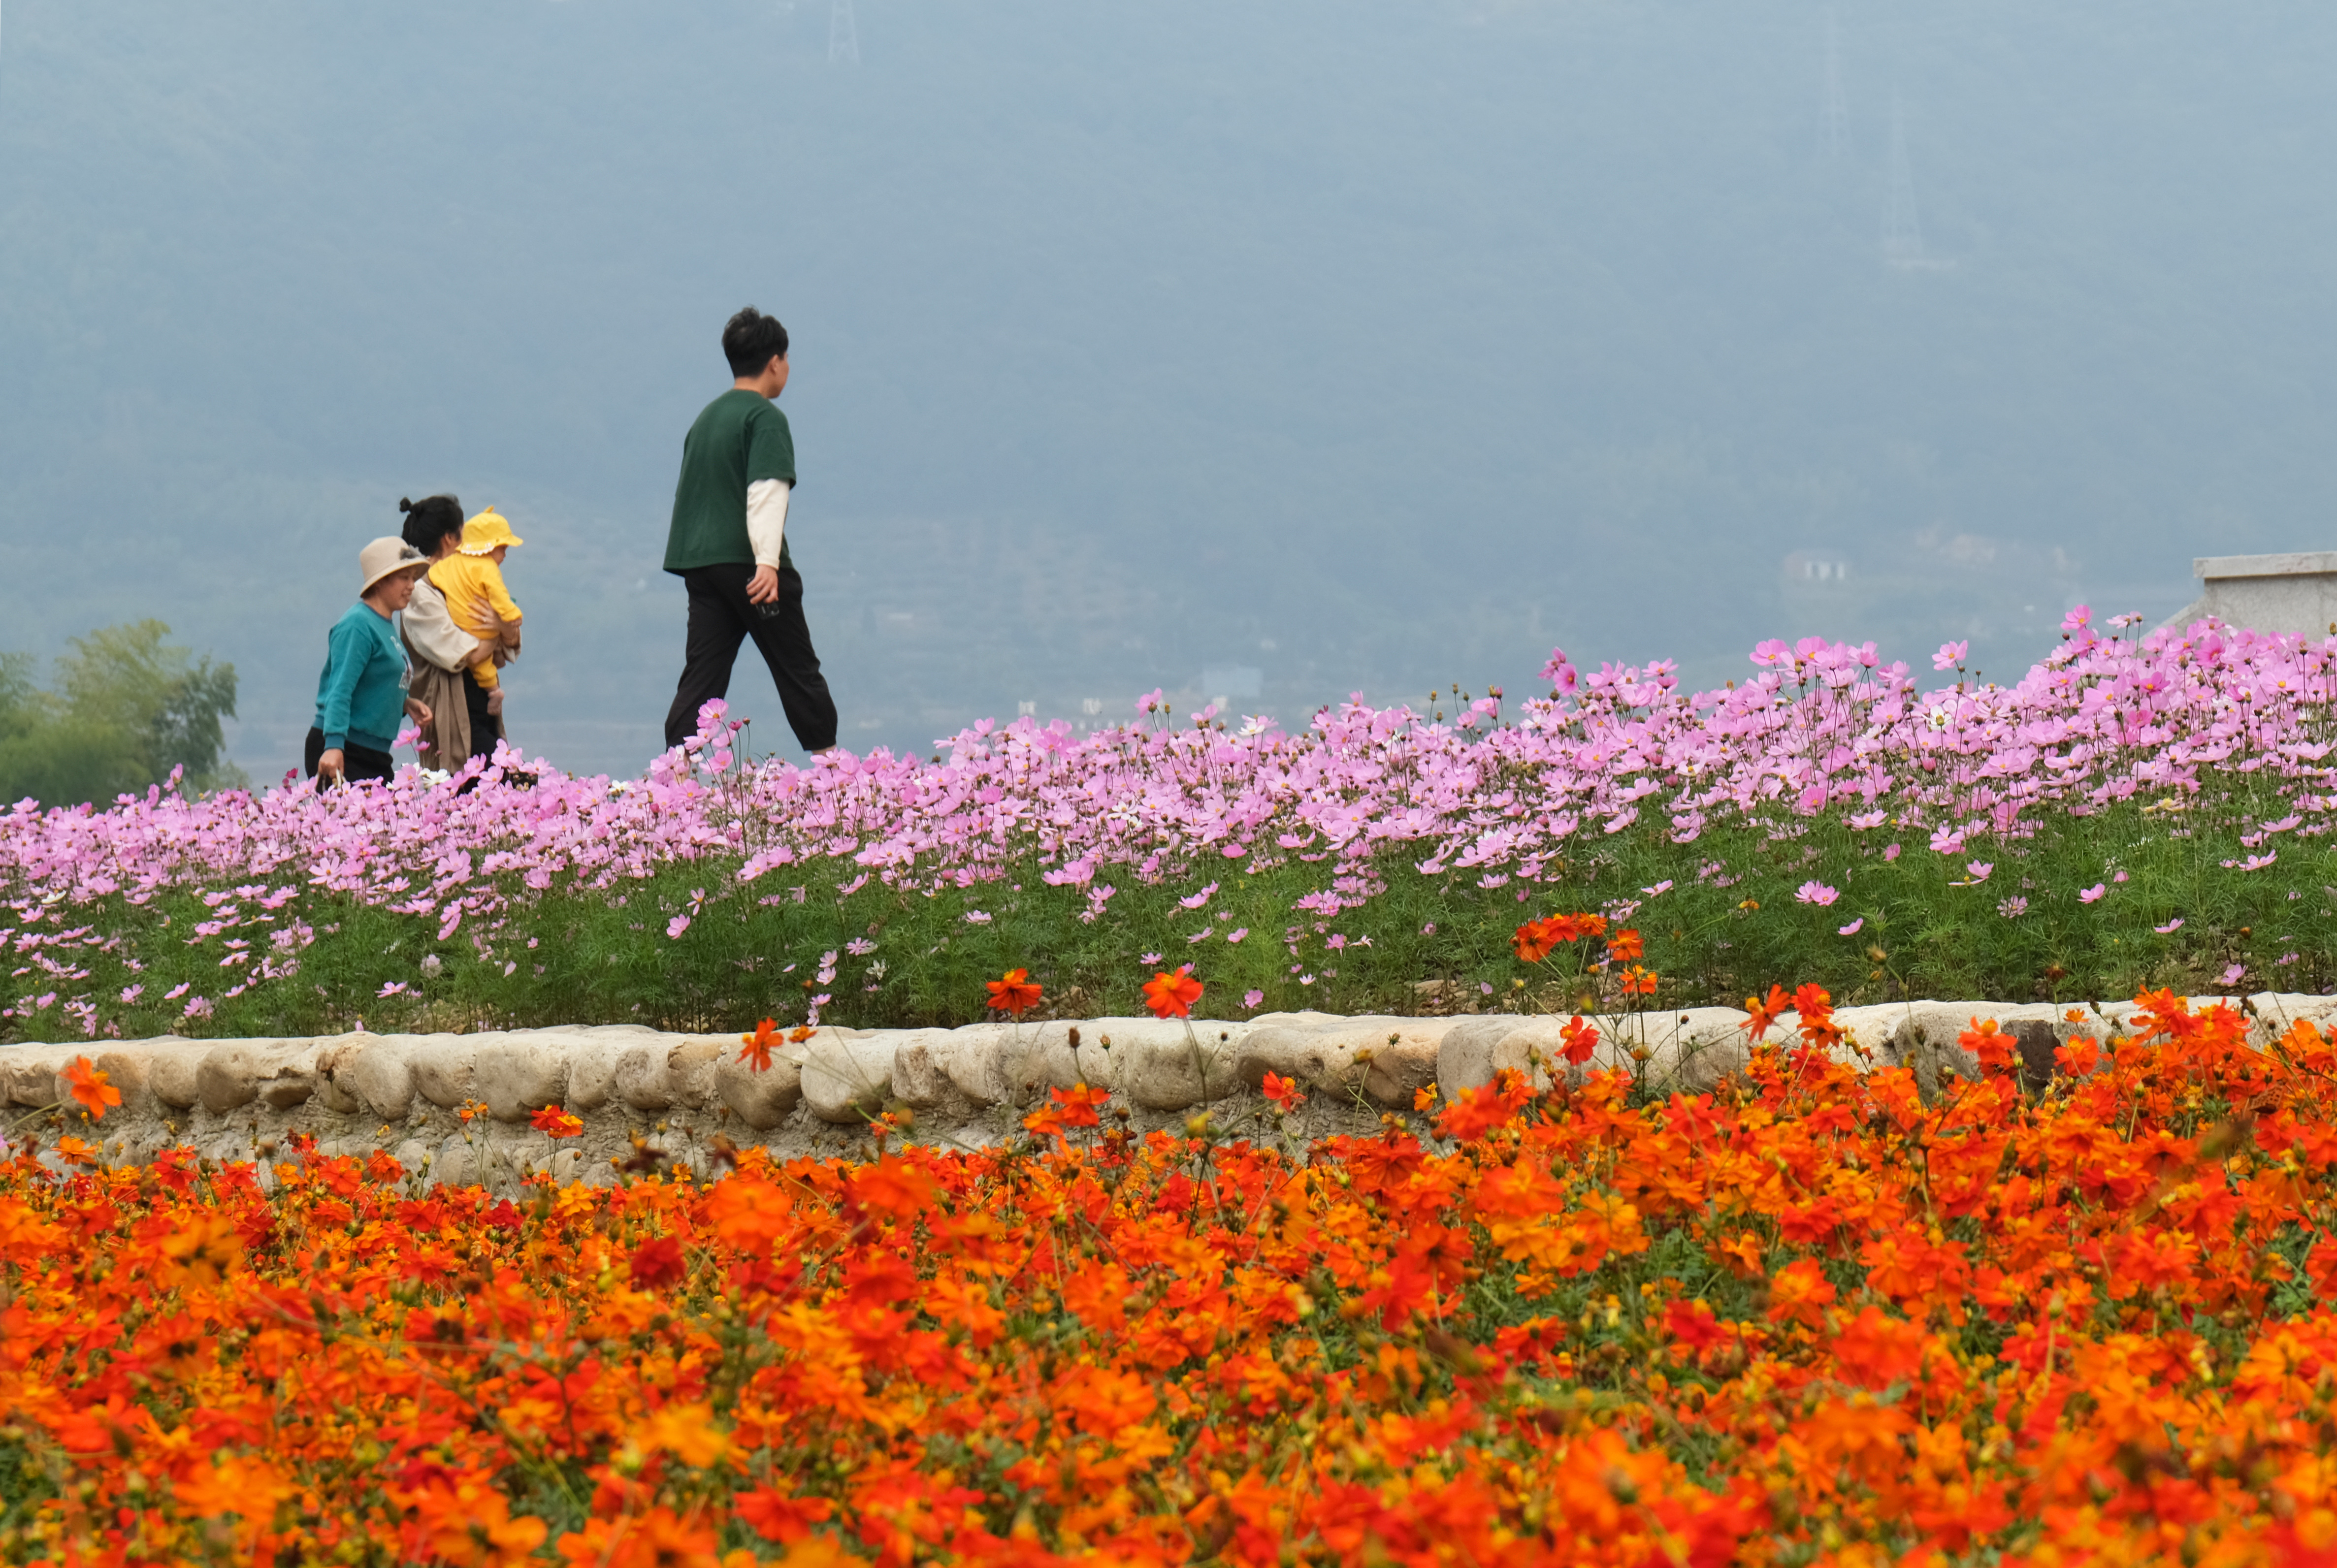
<point>361,695</point>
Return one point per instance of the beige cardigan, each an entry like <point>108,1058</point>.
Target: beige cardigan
<point>438,647</point>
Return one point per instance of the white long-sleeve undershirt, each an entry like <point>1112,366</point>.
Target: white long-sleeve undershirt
<point>766,519</point>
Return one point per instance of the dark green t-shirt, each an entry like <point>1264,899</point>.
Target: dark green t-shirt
<point>740,438</point>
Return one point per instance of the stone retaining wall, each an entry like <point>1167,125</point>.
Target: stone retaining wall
<point>685,1095</point>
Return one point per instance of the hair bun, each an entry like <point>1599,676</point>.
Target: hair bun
<point>404,504</point>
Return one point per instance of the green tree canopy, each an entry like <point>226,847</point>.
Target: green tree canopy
<point>125,708</point>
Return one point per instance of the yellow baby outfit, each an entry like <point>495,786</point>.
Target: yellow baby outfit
<point>472,583</point>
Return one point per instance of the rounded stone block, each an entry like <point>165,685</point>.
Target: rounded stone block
<point>1927,1041</point>
<point>975,1060</point>
<point>1686,1051</point>
<point>337,1086</point>
<point>130,1073</point>
<point>380,1072</point>
<point>1179,1072</point>
<point>640,1080</point>
<point>690,1069</point>
<point>920,1073</point>
<point>173,1073</point>
<point>518,1075</point>
<point>279,1074</point>
<point>1062,1056</point>
<point>1471,1053</point>
<point>453,1165</point>
<point>761,1099</point>
<point>846,1081</point>
<point>31,1072</point>
<point>1303,1054</point>
<point>593,1062</point>
<point>443,1067</point>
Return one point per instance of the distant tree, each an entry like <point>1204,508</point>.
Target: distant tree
<point>126,709</point>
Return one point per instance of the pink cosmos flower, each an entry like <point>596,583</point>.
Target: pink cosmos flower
<point>1978,869</point>
<point>2093,895</point>
<point>675,926</point>
<point>392,988</point>
<point>2013,908</point>
<point>1852,929</point>
<point>2233,975</point>
<point>1815,892</point>
<point>1950,655</point>
<point>2170,928</point>
<point>1251,999</point>
<point>1891,852</point>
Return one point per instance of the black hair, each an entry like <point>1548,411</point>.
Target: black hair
<point>751,340</point>
<point>429,521</point>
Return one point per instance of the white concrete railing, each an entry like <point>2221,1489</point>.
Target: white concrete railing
<point>2296,591</point>
<point>684,1096</point>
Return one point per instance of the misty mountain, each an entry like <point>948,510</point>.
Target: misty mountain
<point>1269,351</point>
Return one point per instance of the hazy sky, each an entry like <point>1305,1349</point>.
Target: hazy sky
<point>1326,346</point>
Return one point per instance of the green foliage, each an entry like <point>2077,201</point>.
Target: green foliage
<point>1729,925</point>
<point>125,709</point>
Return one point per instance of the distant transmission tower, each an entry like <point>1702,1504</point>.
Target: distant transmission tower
<point>1837,111</point>
<point>1902,224</point>
<point>843,34</point>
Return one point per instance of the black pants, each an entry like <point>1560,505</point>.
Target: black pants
<point>721,617</point>
<point>485,726</point>
<point>357,761</point>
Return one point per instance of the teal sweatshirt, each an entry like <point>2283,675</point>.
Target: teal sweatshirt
<point>361,695</point>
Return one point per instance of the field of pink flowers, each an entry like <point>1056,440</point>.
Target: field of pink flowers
<point>2135,810</point>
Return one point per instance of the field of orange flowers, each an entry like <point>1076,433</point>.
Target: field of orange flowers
<point>1816,1317</point>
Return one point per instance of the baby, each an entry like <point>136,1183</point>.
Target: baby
<point>472,579</point>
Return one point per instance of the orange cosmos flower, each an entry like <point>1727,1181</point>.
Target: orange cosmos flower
<point>1990,1044</point>
<point>555,1122</point>
<point>1625,946</point>
<point>90,1088</point>
<point>1284,1093</point>
<point>1171,996</point>
<point>1016,993</point>
<point>1579,1040</point>
<point>1764,1011</point>
<point>1534,939</point>
<point>205,1251</point>
<point>757,1053</point>
<point>800,1033</point>
<point>1638,981</point>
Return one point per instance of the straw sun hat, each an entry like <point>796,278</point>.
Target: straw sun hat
<point>385,557</point>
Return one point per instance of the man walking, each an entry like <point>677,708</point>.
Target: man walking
<point>728,542</point>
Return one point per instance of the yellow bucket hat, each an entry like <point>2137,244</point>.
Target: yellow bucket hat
<point>487,531</point>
